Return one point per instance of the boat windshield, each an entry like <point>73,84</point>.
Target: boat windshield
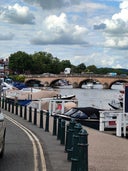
<point>71,111</point>
<point>80,115</point>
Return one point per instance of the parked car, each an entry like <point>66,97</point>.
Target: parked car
<point>2,135</point>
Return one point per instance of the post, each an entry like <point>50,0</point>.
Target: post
<point>59,129</point>
<point>118,126</point>
<point>62,138</point>
<point>70,139</point>
<point>30,114</point>
<point>54,124</point>
<point>35,116</point>
<point>20,110</point>
<point>16,108</point>
<point>74,158</point>
<point>41,119</point>
<point>83,151</point>
<point>102,121</point>
<point>25,112</point>
<point>0,95</point>
<point>47,122</point>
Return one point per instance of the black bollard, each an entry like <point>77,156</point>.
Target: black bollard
<point>41,119</point>
<point>25,112</point>
<point>83,151</point>
<point>20,110</point>
<point>12,107</point>
<point>70,139</point>
<point>30,114</point>
<point>5,104</point>
<point>9,105</point>
<point>35,116</point>
<point>47,122</point>
<point>59,129</point>
<point>16,108</point>
<point>66,143</point>
<point>54,124</point>
<point>62,137</point>
<point>74,155</point>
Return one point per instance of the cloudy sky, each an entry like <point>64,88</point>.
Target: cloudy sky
<point>94,32</point>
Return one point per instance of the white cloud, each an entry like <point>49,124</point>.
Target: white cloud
<point>17,14</point>
<point>58,30</point>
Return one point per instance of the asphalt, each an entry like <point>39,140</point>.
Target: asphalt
<point>106,152</point>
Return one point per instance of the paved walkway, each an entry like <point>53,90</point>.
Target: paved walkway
<point>105,152</point>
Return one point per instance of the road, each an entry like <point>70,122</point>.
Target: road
<point>23,149</point>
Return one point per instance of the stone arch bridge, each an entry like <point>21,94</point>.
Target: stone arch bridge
<point>77,80</point>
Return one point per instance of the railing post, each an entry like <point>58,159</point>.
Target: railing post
<point>102,121</point>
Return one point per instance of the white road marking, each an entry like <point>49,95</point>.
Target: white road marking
<point>33,138</point>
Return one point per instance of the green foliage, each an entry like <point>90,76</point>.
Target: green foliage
<point>17,78</point>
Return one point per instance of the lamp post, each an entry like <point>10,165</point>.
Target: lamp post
<point>0,93</point>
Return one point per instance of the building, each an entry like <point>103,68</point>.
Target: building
<point>4,69</point>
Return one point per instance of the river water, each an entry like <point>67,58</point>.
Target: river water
<point>96,97</point>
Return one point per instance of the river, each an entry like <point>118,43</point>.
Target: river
<point>96,97</point>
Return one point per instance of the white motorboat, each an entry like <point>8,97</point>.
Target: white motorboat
<point>89,85</point>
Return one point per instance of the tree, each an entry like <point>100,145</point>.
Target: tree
<point>19,62</point>
<point>81,68</point>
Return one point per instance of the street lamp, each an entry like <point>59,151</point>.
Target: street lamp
<point>0,92</point>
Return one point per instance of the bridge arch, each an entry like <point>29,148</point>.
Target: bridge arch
<point>33,82</point>
<point>120,81</point>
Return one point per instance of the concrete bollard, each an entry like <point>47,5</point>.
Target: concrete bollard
<point>83,151</point>
<point>54,125</point>
<point>74,158</point>
<point>62,136</point>
<point>47,122</point>
<point>41,119</point>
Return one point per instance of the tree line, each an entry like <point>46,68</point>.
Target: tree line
<point>44,62</point>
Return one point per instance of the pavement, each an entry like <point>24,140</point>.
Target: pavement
<point>106,152</point>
